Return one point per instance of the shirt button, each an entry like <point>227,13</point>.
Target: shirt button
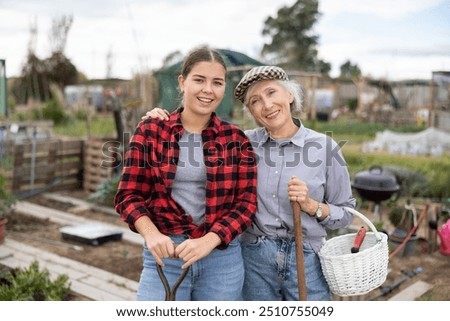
<point>276,172</point>
<point>273,195</point>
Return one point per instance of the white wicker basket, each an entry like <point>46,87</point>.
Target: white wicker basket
<point>349,273</point>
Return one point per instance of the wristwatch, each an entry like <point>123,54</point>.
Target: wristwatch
<point>319,211</point>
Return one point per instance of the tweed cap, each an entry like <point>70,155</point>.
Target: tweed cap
<point>255,74</point>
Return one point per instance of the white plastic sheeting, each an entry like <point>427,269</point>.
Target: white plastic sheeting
<point>431,142</point>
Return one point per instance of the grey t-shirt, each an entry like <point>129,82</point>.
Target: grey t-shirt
<point>190,178</point>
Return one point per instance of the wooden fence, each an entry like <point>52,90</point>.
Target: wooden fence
<point>48,165</point>
<point>58,164</point>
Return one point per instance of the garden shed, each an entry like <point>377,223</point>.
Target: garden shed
<point>237,64</point>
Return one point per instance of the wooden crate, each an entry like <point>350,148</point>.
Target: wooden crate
<point>101,159</point>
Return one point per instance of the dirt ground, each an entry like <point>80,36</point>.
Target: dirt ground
<point>119,257</point>
<point>125,259</point>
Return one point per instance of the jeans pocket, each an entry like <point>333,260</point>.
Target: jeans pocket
<point>251,240</point>
<point>308,249</point>
<point>234,243</point>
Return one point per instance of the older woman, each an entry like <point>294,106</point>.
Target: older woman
<point>295,164</point>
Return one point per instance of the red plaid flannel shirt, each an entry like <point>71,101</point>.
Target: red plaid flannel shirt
<point>149,172</point>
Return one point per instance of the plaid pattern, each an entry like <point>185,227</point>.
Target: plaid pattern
<point>149,172</point>
<point>255,74</point>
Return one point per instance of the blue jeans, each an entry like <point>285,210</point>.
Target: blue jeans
<point>217,277</point>
<point>271,271</point>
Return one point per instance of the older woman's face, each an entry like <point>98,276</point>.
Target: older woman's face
<point>269,102</point>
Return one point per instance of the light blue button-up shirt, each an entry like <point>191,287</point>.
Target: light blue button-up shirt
<point>315,159</point>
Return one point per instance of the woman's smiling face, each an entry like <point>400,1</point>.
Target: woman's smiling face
<point>269,102</point>
<point>203,88</point>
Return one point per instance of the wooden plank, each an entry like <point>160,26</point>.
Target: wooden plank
<point>77,202</point>
<point>89,281</point>
<point>64,218</point>
<point>121,290</point>
<point>14,263</point>
<point>5,253</point>
<point>70,153</point>
<point>53,268</point>
<point>72,144</point>
<point>94,293</point>
<point>66,186</point>
<point>66,183</point>
<point>52,215</point>
<point>79,270</point>
<point>42,170</point>
<point>412,292</point>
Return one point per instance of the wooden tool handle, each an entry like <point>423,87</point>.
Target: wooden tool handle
<point>301,279</point>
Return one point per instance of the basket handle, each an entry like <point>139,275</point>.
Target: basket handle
<point>366,220</point>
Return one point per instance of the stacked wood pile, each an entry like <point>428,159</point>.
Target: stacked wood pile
<point>101,161</point>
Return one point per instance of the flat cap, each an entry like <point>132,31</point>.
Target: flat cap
<point>255,74</point>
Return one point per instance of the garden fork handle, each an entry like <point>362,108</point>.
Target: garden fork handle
<point>301,279</point>
<point>170,293</point>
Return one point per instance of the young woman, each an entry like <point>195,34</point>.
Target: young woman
<point>189,188</point>
<point>296,164</point>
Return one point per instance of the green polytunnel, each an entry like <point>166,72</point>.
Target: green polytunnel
<point>237,64</point>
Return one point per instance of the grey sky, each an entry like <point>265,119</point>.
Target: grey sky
<point>388,39</point>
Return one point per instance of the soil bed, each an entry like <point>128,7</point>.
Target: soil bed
<point>119,257</point>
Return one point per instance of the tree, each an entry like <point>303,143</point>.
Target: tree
<point>60,69</point>
<point>349,70</point>
<point>37,74</point>
<point>59,33</point>
<point>292,42</point>
<point>352,71</point>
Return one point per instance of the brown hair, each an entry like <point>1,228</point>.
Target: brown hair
<point>200,55</point>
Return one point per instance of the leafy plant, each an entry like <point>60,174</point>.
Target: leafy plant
<point>396,215</point>
<point>33,284</point>
<point>53,111</point>
<point>412,183</point>
<point>106,191</point>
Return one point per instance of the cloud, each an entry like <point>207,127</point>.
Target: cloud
<point>385,9</point>
<point>441,50</point>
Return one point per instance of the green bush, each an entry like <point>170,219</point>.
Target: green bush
<point>412,183</point>
<point>434,170</point>
<point>395,215</point>
<point>52,111</point>
<point>32,284</point>
<point>81,114</point>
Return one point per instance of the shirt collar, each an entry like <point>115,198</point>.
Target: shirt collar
<point>298,139</point>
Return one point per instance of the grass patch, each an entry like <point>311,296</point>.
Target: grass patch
<point>101,126</point>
